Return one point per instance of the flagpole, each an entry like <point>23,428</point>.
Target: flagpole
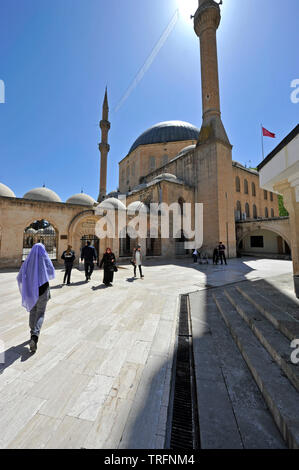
<point>262,140</point>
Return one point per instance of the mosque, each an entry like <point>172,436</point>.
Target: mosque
<point>172,161</point>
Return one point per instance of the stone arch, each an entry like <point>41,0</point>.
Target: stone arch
<point>77,231</point>
<point>261,226</point>
<point>43,235</point>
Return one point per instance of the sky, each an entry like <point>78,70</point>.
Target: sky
<point>57,57</point>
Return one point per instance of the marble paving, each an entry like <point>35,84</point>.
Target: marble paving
<point>101,375</point>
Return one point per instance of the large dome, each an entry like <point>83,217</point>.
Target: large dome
<point>42,194</point>
<point>5,191</point>
<point>168,131</point>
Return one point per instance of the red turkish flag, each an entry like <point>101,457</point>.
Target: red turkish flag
<point>268,133</point>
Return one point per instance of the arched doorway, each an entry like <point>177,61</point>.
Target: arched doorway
<point>180,244</point>
<point>40,231</point>
<point>153,245</point>
<point>94,241</point>
<point>126,243</point>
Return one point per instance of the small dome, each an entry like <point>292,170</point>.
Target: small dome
<point>136,206</point>
<point>165,176</point>
<point>168,131</point>
<point>111,204</point>
<point>5,191</point>
<point>82,199</point>
<point>42,194</point>
<point>187,149</point>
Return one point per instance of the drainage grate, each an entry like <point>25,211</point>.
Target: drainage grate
<point>184,419</point>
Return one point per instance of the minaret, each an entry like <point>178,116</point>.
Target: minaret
<point>104,148</point>
<point>206,22</point>
<point>213,154</point>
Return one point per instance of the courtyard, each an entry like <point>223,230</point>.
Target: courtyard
<point>101,376</point>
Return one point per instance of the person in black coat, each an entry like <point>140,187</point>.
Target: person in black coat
<point>108,261</point>
<point>68,256</point>
<point>89,254</point>
<point>221,249</point>
<point>215,255</point>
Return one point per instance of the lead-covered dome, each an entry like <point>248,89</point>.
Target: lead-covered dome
<point>42,194</point>
<point>5,191</point>
<point>82,199</point>
<point>168,131</point>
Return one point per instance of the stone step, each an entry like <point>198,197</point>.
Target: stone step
<point>277,345</point>
<point>283,320</point>
<point>279,394</point>
<point>232,411</point>
<point>281,296</point>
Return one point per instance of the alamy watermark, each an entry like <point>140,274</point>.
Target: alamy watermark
<point>156,220</point>
<point>2,92</point>
<point>295,93</point>
<point>295,353</point>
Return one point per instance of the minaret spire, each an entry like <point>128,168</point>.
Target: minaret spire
<point>206,22</point>
<point>104,147</point>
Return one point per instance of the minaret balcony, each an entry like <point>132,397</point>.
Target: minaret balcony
<point>207,16</point>
<point>104,124</point>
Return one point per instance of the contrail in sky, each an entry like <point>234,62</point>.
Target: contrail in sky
<point>149,60</point>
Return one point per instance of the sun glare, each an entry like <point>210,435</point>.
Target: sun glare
<point>187,8</point>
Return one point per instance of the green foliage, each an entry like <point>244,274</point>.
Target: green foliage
<point>282,210</point>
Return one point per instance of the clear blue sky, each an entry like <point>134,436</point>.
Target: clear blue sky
<point>56,57</point>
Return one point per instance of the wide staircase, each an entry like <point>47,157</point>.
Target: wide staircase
<point>247,378</point>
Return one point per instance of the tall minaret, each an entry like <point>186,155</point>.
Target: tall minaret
<point>206,22</point>
<point>213,153</point>
<point>104,148</point>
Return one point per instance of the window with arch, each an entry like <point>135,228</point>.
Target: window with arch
<point>164,160</point>
<point>238,185</point>
<point>254,209</point>
<point>247,210</point>
<point>272,212</point>
<point>271,197</point>
<point>245,186</point>
<point>266,212</point>
<point>253,189</point>
<point>152,163</point>
<point>238,211</point>
<point>265,195</point>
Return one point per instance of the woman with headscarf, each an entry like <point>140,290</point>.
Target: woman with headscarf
<point>108,261</point>
<point>33,280</point>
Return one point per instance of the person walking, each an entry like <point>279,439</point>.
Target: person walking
<point>89,255</point>
<point>108,261</point>
<point>137,260</point>
<point>68,256</point>
<point>33,281</point>
<point>215,255</point>
<point>195,255</point>
<point>221,249</point>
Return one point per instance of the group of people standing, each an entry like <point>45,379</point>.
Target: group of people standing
<point>218,254</point>
<point>89,256</point>
<point>37,270</point>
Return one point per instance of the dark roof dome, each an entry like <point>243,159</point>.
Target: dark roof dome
<point>168,131</point>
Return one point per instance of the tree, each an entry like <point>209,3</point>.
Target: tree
<point>282,210</point>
